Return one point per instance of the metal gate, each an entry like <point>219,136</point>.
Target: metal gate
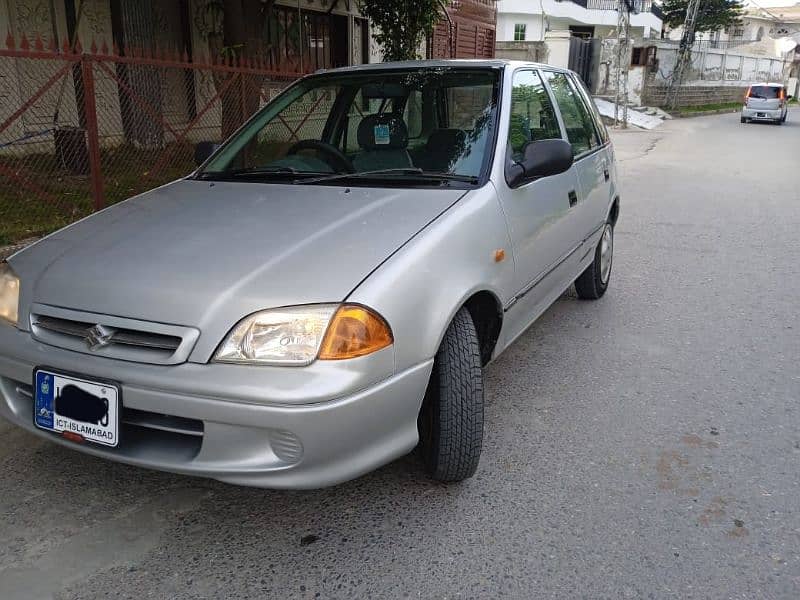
<point>580,58</point>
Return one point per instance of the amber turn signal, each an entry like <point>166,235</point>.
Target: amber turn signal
<point>354,331</point>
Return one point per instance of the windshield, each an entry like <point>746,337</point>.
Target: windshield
<point>765,92</point>
<point>429,126</point>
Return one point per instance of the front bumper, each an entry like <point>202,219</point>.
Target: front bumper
<point>295,432</point>
<point>767,114</point>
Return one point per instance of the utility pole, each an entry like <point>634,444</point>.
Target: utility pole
<point>623,35</point>
<point>684,53</point>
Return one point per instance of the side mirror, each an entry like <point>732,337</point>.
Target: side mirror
<point>543,158</point>
<point>203,150</point>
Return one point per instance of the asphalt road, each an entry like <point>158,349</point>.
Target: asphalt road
<point>643,446</point>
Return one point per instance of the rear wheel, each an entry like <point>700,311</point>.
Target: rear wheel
<point>451,419</point>
<point>593,282</point>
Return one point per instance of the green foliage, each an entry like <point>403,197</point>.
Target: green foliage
<point>713,15</point>
<point>402,25</point>
<point>711,107</point>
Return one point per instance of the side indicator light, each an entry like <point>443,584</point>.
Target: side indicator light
<point>499,255</point>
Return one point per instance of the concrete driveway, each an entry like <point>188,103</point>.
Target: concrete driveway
<point>643,446</point>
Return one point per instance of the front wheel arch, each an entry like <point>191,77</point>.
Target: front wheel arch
<point>487,315</point>
<point>613,212</point>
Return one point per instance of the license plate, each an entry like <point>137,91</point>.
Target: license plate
<point>73,406</point>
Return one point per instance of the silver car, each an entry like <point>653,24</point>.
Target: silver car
<point>766,102</point>
<point>321,296</point>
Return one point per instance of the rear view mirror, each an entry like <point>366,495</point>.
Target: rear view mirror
<point>384,90</point>
<point>543,158</point>
<point>203,150</point>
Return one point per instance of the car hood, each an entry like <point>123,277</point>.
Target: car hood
<point>201,253</point>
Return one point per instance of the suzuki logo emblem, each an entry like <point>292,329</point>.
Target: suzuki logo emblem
<point>99,336</point>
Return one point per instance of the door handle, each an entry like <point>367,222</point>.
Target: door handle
<point>573,198</point>
<point>605,173</point>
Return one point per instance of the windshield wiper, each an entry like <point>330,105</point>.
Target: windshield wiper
<point>402,171</point>
<point>256,172</point>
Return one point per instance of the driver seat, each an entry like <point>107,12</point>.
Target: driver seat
<point>383,139</point>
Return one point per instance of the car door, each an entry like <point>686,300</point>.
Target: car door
<point>609,185</point>
<point>537,211</point>
<point>592,163</point>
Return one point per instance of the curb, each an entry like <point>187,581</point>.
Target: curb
<point>704,113</point>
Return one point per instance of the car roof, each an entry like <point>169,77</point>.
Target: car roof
<point>494,63</point>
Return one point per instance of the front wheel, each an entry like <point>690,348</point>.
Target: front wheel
<point>593,282</point>
<point>451,419</point>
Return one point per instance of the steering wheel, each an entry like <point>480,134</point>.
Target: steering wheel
<point>328,152</point>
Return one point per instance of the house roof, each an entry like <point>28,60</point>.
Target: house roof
<point>783,14</point>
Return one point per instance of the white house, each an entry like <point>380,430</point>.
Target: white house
<point>758,25</point>
<point>530,20</point>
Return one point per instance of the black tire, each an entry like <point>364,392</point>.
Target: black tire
<point>590,285</point>
<point>451,419</point>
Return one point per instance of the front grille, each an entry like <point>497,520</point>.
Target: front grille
<point>127,337</point>
<point>112,337</point>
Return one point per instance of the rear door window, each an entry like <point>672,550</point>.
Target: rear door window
<point>581,131</point>
<point>592,108</point>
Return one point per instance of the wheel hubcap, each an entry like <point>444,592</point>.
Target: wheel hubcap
<point>606,253</point>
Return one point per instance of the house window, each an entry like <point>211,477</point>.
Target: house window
<point>519,32</point>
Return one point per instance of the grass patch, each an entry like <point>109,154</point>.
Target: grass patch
<point>710,107</point>
<point>43,196</point>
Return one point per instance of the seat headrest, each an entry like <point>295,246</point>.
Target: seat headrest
<point>382,132</point>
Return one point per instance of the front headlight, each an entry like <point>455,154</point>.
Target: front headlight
<point>9,294</point>
<point>298,335</point>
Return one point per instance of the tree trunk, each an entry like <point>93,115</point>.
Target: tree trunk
<point>242,37</point>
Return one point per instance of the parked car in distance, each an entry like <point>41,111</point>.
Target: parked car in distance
<point>766,102</point>
<point>322,294</point>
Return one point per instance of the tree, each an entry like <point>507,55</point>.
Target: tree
<point>712,15</point>
<point>237,29</point>
<point>402,25</point>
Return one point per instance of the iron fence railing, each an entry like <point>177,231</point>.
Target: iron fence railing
<point>81,130</point>
<point>635,6</point>
<point>711,44</point>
